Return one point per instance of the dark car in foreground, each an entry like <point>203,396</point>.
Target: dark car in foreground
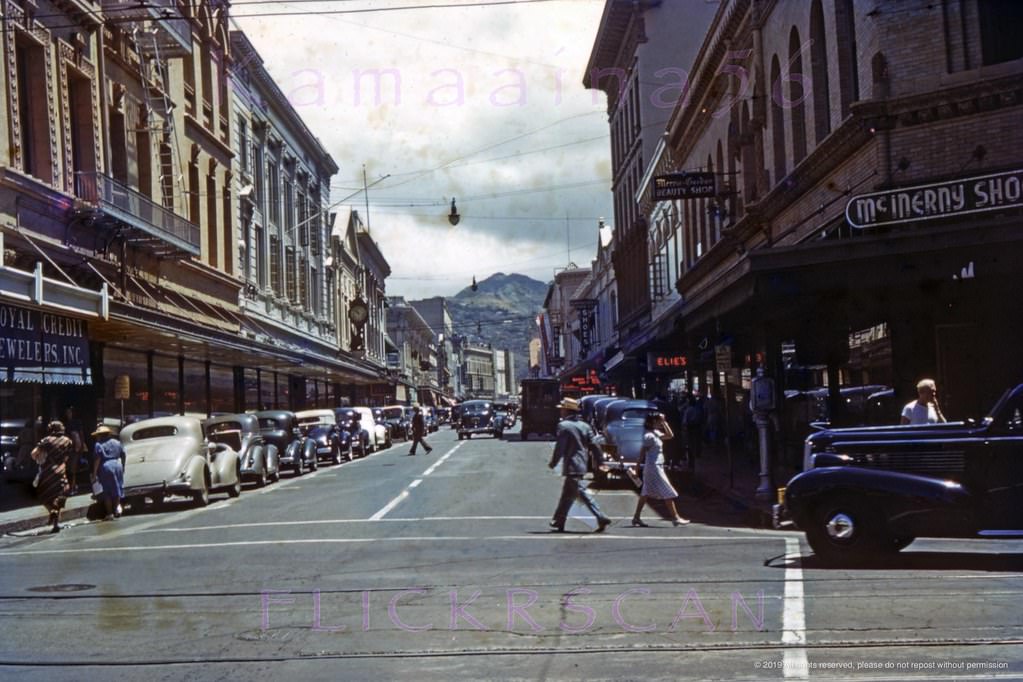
<point>869,491</point>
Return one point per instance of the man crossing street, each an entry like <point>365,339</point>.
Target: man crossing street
<point>575,438</point>
<point>418,432</point>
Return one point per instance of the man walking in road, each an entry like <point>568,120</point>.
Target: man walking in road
<point>575,438</point>
<point>418,432</point>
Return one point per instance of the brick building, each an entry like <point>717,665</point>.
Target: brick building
<point>866,216</point>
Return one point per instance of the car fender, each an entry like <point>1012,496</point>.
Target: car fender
<point>910,503</point>
<point>309,449</point>
<point>272,459</point>
<point>196,469</point>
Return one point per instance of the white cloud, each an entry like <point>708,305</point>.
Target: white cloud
<point>454,82</point>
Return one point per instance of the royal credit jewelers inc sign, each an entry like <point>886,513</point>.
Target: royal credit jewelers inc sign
<point>939,200</point>
<point>31,338</point>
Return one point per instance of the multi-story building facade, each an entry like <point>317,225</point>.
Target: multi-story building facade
<point>416,346</point>
<point>288,263</point>
<point>866,208</point>
<point>435,311</point>
<point>560,323</point>
<point>477,370</point>
<point>122,225</point>
<point>639,60</point>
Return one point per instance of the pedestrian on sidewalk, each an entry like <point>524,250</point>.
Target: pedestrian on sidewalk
<point>418,432</point>
<point>656,485</point>
<point>76,432</point>
<point>108,469</point>
<point>925,409</point>
<point>51,454</point>
<point>694,419</point>
<point>575,440</point>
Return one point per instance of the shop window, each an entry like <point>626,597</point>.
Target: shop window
<point>117,362</point>
<point>221,389</point>
<point>165,385</point>
<point>195,388</point>
<point>1001,25</point>
<point>253,383</point>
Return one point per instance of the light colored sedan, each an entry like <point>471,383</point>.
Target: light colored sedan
<point>380,434</point>
<point>170,456</point>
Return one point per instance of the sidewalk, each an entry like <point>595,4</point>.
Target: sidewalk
<point>21,511</point>
<point>737,483</point>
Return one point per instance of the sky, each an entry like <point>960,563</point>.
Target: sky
<point>484,104</point>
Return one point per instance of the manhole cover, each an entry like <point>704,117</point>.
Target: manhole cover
<point>73,587</point>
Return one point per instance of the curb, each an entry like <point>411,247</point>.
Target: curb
<point>32,522</point>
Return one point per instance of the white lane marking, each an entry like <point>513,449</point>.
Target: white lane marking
<point>563,537</point>
<point>395,519</point>
<point>794,617</point>
<point>442,459</point>
<point>405,493</point>
<point>390,505</point>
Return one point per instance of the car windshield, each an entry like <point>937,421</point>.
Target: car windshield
<point>475,408</point>
<point>267,423</point>
<point>308,422</point>
<point>393,413</point>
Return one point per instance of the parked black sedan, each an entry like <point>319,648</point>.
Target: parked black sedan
<point>360,440</point>
<point>868,491</point>
<point>279,429</point>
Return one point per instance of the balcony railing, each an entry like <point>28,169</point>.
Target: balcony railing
<point>171,34</point>
<point>150,220</point>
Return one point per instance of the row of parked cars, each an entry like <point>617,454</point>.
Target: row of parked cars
<point>619,423</point>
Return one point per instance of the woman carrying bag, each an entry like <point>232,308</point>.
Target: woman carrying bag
<point>52,487</point>
<point>656,485</point>
<point>108,469</point>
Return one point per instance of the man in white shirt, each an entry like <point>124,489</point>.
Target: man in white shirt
<point>925,409</point>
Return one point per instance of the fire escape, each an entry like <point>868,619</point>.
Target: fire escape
<point>159,33</point>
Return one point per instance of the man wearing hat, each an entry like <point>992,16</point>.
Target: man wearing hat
<point>575,439</point>
<point>108,469</point>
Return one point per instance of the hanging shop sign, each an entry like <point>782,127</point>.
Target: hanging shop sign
<point>684,186</point>
<point>31,338</point>
<point>665,362</point>
<point>978,194</point>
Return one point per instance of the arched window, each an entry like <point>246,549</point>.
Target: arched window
<point>819,67</point>
<point>777,122</point>
<point>797,98</point>
<point>845,40</point>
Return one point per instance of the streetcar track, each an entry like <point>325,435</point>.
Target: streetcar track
<point>646,648</point>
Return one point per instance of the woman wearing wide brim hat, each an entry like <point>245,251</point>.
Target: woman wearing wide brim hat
<point>108,469</point>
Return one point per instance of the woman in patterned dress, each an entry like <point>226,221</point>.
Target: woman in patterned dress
<point>51,454</point>
<point>656,485</point>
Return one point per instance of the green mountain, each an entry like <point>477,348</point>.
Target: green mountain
<point>502,311</point>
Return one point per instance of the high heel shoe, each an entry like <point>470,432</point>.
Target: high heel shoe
<point>638,523</point>
<point>679,521</point>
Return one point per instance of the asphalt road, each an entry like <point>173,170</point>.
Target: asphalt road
<point>442,567</point>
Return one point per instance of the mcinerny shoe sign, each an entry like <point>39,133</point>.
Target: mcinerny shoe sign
<point>939,200</point>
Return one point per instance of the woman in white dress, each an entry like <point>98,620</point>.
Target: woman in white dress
<point>656,485</point>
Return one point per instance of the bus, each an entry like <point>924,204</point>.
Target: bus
<point>539,407</point>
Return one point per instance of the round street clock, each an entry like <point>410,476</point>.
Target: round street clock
<point>358,311</point>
